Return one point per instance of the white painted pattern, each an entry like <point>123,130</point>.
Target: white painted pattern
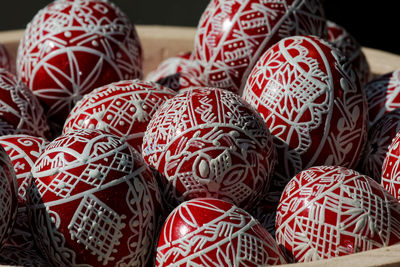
<point>228,237</point>
<point>97,227</point>
<point>23,151</point>
<point>332,211</point>
<point>232,35</point>
<point>391,168</point>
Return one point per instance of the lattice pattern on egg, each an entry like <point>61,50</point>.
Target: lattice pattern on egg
<point>97,227</point>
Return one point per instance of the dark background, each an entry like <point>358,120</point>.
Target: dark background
<point>374,24</point>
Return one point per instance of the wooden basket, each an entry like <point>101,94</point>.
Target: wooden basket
<point>161,42</point>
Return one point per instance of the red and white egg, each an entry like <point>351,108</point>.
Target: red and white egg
<point>215,233</point>
<point>208,142</point>
<point>94,202</point>
<point>72,47</point>
<point>383,95</point>
<point>380,137</point>
<point>390,168</point>
<point>349,47</point>
<point>232,35</point>
<point>8,196</point>
<point>20,110</point>
<point>333,211</point>
<point>178,72</point>
<point>122,108</point>
<point>23,151</point>
<point>311,102</point>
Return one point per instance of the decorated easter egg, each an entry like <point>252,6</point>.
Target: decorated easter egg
<point>93,202</point>
<point>340,38</point>
<point>380,136</point>
<point>333,211</point>
<point>178,72</point>
<point>312,103</point>
<point>20,110</point>
<point>23,151</point>
<point>72,47</point>
<point>390,168</point>
<point>122,108</point>
<point>383,95</point>
<point>208,142</point>
<point>232,35</point>
<point>215,233</point>
<point>8,196</point>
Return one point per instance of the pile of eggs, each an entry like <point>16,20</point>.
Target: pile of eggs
<point>269,143</point>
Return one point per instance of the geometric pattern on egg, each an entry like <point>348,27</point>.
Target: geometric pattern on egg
<point>232,35</point>
<point>94,201</point>
<point>72,47</point>
<point>23,151</point>
<point>330,211</point>
<point>122,108</point>
<point>208,142</point>
<point>311,101</point>
<point>390,168</point>
<point>215,233</point>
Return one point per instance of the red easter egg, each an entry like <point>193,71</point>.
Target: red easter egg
<point>5,59</point>
<point>20,110</point>
<point>383,95</point>
<point>179,72</point>
<point>326,212</point>
<point>380,136</point>
<point>313,104</point>
<point>8,196</point>
<point>72,47</point>
<point>232,35</point>
<point>208,142</point>
<point>390,168</point>
<point>23,151</point>
<point>340,38</point>
<point>122,108</point>
<point>215,233</point>
<point>93,202</point>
